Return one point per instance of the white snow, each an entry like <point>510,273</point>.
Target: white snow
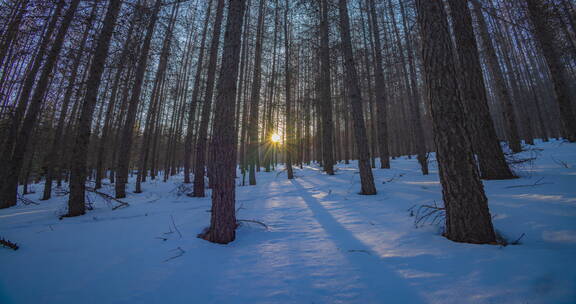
<point>324,243</point>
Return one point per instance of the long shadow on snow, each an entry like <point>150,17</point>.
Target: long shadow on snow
<point>380,277</point>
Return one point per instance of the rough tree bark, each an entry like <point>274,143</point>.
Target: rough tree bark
<point>223,224</point>
<point>467,215</point>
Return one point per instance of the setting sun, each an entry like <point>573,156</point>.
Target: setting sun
<point>275,138</point>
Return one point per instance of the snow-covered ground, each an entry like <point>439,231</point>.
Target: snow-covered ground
<point>324,243</point>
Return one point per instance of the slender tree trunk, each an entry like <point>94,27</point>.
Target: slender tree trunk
<point>253,143</point>
<point>194,99</point>
<point>76,205</point>
<point>123,162</point>
<point>288,85</point>
<point>381,102</point>
<point>202,138</point>
<point>355,97</point>
<point>325,92</point>
<point>499,81</point>
<point>471,83</point>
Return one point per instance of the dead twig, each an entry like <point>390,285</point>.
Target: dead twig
<point>175,228</point>
<point>109,198</point>
<point>537,183</point>
<point>431,214</point>
<point>26,201</point>
<point>255,222</point>
<point>360,250</point>
<point>560,162</point>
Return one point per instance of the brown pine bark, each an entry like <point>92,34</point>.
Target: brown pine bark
<point>76,205</point>
<point>355,98</point>
<point>473,93</point>
<point>223,224</point>
<point>467,215</point>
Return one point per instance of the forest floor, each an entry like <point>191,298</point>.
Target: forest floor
<point>323,243</point>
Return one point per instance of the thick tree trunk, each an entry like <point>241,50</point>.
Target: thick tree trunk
<point>223,218</point>
<point>467,215</point>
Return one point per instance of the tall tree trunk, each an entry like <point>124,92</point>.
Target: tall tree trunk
<point>288,85</point>
<point>223,218</point>
<point>498,78</point>
<point>194,99</point>
<point>202,138</point>
<point>76,205</point>
<point>355,97</point>
<point>381,102</point>
<point>471,83</point>
<point>325,92</point>
<point>253,143</point>
<point>467,215</point>
<point>52,157</point>
<point>123,162</point>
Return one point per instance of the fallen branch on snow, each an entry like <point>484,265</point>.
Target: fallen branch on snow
<point>179,254</point>
<point>9,244</point>
<point>255,222</point>
<point>109,198</point>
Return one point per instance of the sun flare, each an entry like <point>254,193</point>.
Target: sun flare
<point>275,138</point>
